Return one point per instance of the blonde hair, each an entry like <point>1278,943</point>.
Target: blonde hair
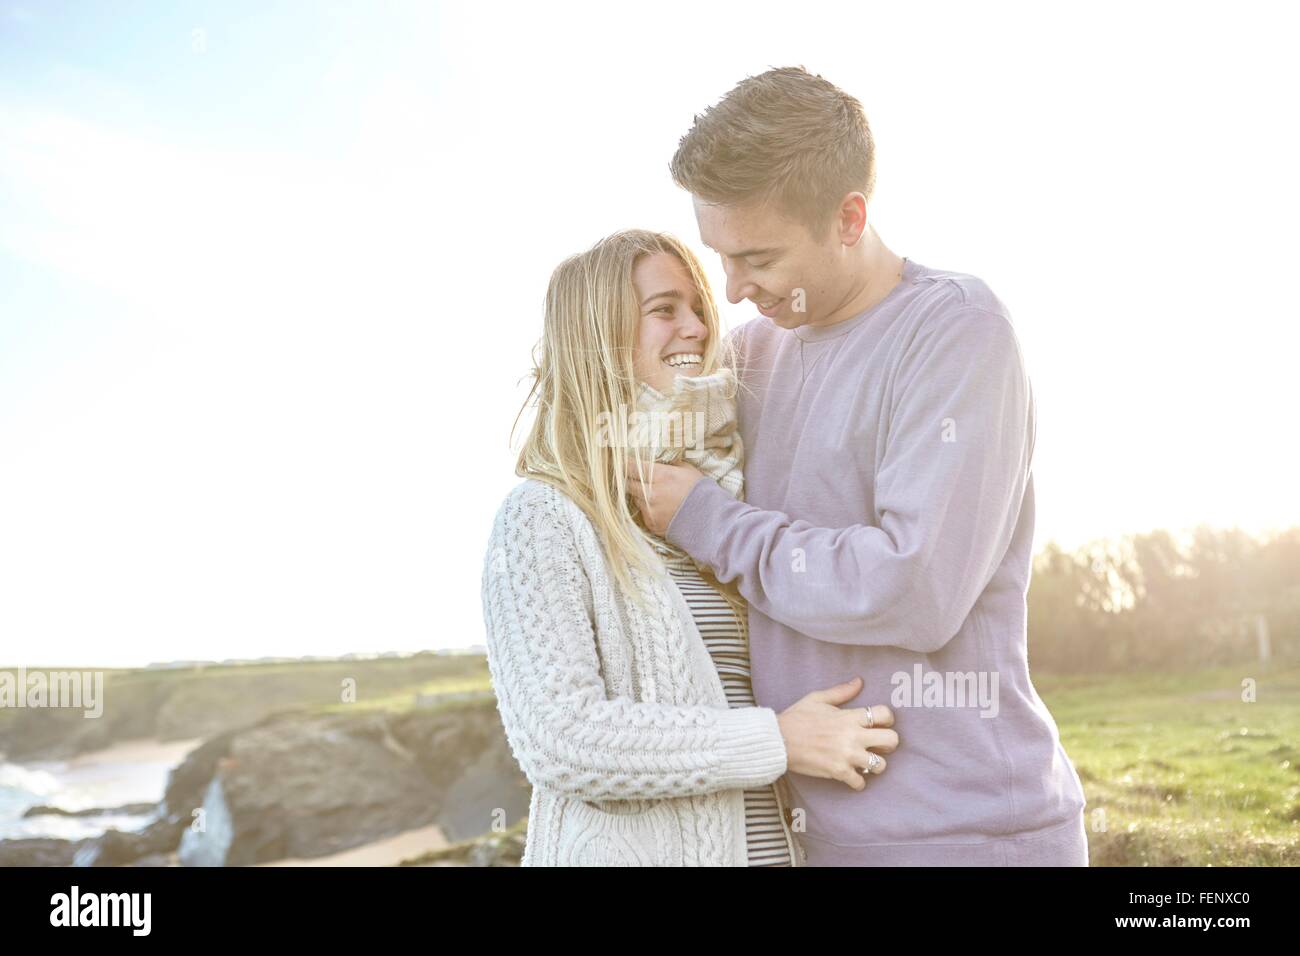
<point>785,136</point>
<point>583,374</point>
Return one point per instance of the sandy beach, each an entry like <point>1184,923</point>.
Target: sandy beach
<point>387,852</point>
<point>141,751</point>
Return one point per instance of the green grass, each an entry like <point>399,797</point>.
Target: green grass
<point>404,700</point>
<point>459,853</point>
<point>1180,771</point>
<point>203,700</point>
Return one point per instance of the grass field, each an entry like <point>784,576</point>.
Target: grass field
<point>1180,771</point>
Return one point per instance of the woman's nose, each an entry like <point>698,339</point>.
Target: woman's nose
<point>692,327</point>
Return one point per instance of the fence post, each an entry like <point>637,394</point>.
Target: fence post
<point>1261,636</point>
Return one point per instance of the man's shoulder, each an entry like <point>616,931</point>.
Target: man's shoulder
<point>959,321</point>
<point>949,292</point>
<point>753,338</point>
<point>959,309</point>
<point>746,331</point>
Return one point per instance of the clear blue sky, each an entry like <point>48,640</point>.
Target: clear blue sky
<point>270,274</point>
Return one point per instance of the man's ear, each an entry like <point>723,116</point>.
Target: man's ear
<point>851,220</point>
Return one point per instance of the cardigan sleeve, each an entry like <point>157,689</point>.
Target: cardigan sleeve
<point>566,733</point>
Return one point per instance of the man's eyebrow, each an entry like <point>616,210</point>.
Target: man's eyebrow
<point>746,253</point>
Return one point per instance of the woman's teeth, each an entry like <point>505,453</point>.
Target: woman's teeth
<point>683,359</point>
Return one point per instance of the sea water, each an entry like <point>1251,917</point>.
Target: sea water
<point>79,785</point>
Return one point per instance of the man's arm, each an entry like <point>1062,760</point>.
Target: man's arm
<point>948,490</point>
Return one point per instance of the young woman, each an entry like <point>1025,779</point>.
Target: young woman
<point>620,667</point>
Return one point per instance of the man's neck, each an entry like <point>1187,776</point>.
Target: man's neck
<point>880,271</point>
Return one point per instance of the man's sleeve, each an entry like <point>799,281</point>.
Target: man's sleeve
<point>948,491</point>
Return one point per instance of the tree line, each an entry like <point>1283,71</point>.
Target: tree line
<point>1160,601</point>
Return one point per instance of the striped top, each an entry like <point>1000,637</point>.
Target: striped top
<point>724,636</point>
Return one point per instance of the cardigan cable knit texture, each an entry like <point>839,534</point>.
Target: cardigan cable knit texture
<point>617,716</point>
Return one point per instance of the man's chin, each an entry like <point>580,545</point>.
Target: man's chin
<point>789,320</point>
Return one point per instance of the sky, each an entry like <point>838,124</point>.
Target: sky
<point>270,275</point>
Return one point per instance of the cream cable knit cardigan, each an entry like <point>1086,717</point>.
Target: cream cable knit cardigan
<point>615,714</point>
<point>617,717</point>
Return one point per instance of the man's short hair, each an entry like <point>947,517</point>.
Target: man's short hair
<point>786,136</point>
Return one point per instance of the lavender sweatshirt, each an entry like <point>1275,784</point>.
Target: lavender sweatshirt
<point>886,533</point>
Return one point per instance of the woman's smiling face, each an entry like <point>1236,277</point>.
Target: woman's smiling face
<point>672,333</point>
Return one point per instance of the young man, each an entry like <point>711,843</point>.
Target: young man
<point>889,427</point>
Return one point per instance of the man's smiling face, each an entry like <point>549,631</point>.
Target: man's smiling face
<point>768,257</point>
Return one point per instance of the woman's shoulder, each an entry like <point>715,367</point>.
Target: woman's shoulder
<point>533,494</point>
<point>539,505</point>
<point>539,529</point>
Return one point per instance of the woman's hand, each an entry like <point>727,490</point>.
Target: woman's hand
<point>821,740</point>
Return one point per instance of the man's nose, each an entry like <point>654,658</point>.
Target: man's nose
<point>738,287</point>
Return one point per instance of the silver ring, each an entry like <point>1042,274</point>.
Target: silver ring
<point>871,720</point>
<point>872,764</point>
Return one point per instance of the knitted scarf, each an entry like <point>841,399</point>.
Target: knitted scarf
<point>696,422</point>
